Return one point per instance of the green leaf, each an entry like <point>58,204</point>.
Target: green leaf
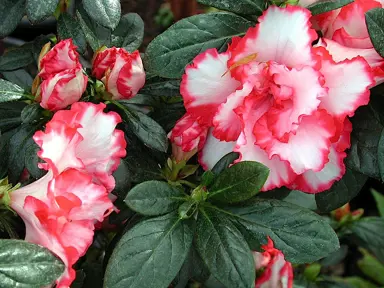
<point>239,182</point>
<point>31,113</point>
<point>38,44</point>
<point>323,6</point>
<point>146,129</point>
<point>302,235</point>
<point>16,58</point>
<point>244,7</point>
<point>224,162</point>
<point>341,192</point>
<point>129,33</point>
<point>224,250</point>
<point>18,149</point>
<point>10,91</point>
<point>38,10</point>
<point>151,253</point>
<point>95,34</point>
<point>10,115</point>
<point>375,24</point>
<point>301,199</point>
<point>26,265</point>
<point>358,282</point>
<point>4,155</point>
<point>154,198</point>
<point>379,199</point>
<point>19,77</point>
<point>169,53</point>
<point>363,154</point>
<point>105,12</point>
<point>336,257</point>
<point>11,16</point>
<point>69,28</point>
<point>167,114</point>
<point>371,267</point>
<point>369,233</point>
<point>161,87</point>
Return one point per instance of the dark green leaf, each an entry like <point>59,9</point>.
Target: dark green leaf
<point>38,10</point>
<point>244,7</point>
<point>336,257</point>
<point>224,250</point>
<point>301,199</point>
<point>330,283</point>
<point>26,265</point>
<point>105,12</point>
<point>154,198</point>
<point>10,91</point>
<point>302,235</point>
<point>146,129</point>
<point>122,180</point>
<point>38,44</point>
<point>169,53</point>
<point>11,16</point>
<point>369,232</point>
<point>129,33</point>
<point>139,99</point>
<point>19,77</point>
<point>375,24</point>
<point>16,58</point>
<point>363,154</point>
<point>167,114</point>
<point>379,199</point>
<point>371,267</point>
<point>162,87</point>
<point>278,193</point>
<point>10,115</point>
<point>212,282</point>
<point>151,253</point>
<point>4,155</point>
<point>31,161</point>
<point>69,28</point>
<point>31,113</point>
<point>323,6</point>
<point>96,35</point>
<point>341,192</point>
<point>18,148</point>
<point>207,178</point>
<point>357,282</point>
<point>239,182</point>
<point>224,162</point>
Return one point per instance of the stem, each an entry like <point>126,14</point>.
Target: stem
<point>187,183</point>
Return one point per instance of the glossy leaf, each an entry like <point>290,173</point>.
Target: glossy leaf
<point>302,235</point>
<point>224,162</point>
<point>375,24</point>
<point>105,12</point>
<point>323,6</point>
<point>10,115</point>
<point>154,198</point>
<point>38,10</point>
<point>379,199</point>
<point>152,253</point>
<point>16,58</point>
<point>244,7</point>
<point>19,77</point>
<point>169,53</point>
<point>27,265</point>
<point>11,16</point>
<point>69,28</point>
<point>10,91</point>
<point>129,33</point>
<point>223,249</point>
<point>162,87</point>
<point>239,182</point>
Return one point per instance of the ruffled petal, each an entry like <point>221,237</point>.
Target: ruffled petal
<point>206,84</point>
<point>283,35</point>
<point>213,151</point>
<point>62,57</point>
<point>305,150</point>
<point>103,61</point>
<point>348,82</point>
<point>227,124</point>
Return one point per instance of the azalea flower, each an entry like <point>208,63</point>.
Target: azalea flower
<point>81,148</point>
<point>277,100</point>
<point>63,79</point>
<point>276,272</point>
<point>345,33</point>
<point>121,72</point>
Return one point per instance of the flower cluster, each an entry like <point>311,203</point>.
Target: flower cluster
<point>275,270</point>
<point>276,99</point>
<point>81,149</point>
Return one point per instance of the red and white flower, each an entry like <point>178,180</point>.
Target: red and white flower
<point>277,272</point>
<point>345,33</point>
<point>63,79</point>
<point>121,72</point>
<point>277,100</point>
<point>81,148</point>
